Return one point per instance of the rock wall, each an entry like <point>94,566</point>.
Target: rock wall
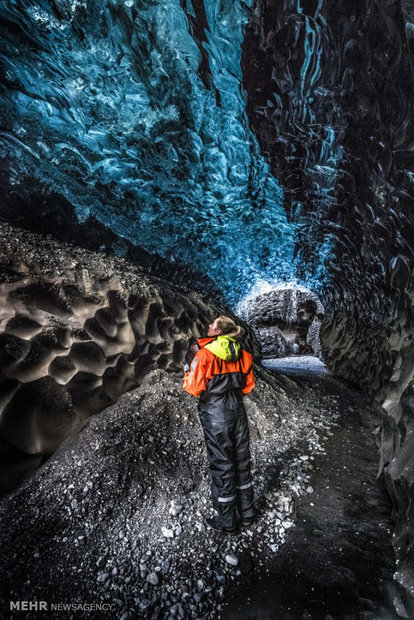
<point>286,321</point>
<point>77,330</point>
<point>273,342</point>
<point>377,355</point>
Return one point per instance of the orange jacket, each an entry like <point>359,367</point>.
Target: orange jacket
<point>208,372</point>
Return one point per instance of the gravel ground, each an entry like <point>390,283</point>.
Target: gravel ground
<point>337,562</point>
<point>115,517</point>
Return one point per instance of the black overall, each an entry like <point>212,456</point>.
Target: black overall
<point>226,432</point>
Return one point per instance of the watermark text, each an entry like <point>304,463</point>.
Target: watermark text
<point>45,606</point>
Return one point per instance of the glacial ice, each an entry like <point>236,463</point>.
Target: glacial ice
<point>134,111</point>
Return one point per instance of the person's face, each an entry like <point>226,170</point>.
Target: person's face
<point>213,330</point>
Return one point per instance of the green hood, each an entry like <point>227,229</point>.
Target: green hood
<point>225,347</point>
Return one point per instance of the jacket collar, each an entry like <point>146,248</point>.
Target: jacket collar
<point>203,341</point>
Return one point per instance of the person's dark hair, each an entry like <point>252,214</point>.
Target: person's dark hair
<point>229,327</point>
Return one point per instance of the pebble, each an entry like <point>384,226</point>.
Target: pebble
<point>232,559</point>
<point>310,489</point>
<point>102,577</point>
<point>200,584</point>
<point>174,510</point>
<point>167,532</point>
<point>153,579</point>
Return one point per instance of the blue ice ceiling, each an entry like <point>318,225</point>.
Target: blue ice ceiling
<point>135,112</point>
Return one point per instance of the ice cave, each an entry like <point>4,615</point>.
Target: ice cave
<point>163,163</point>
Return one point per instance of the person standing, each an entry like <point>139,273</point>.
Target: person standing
<point>220,376</point>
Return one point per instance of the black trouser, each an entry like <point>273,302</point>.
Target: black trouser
<point>226,434</point>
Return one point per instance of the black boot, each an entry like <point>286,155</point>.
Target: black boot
<point>212,524</point>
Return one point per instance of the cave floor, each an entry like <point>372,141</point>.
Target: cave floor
<point>337,562</point>
<point>115,516</point>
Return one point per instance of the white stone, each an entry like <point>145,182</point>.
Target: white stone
<point>232,559</point>
<point>200,584</point>
<point>174,510</point>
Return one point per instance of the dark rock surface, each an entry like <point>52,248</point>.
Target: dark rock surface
<point>408,14</point>
<point>78,329</point>
<point>273,342</point>
<point>286,321</point>
<point>282,305</point>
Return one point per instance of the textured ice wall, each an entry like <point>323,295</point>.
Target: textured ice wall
<point>135,113</point>
<point>77,330</point>
<point>330,98</point>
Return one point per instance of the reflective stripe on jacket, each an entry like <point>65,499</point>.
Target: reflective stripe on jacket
<point>211,373</point>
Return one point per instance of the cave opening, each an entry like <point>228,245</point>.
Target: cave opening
<point>286,319</point>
